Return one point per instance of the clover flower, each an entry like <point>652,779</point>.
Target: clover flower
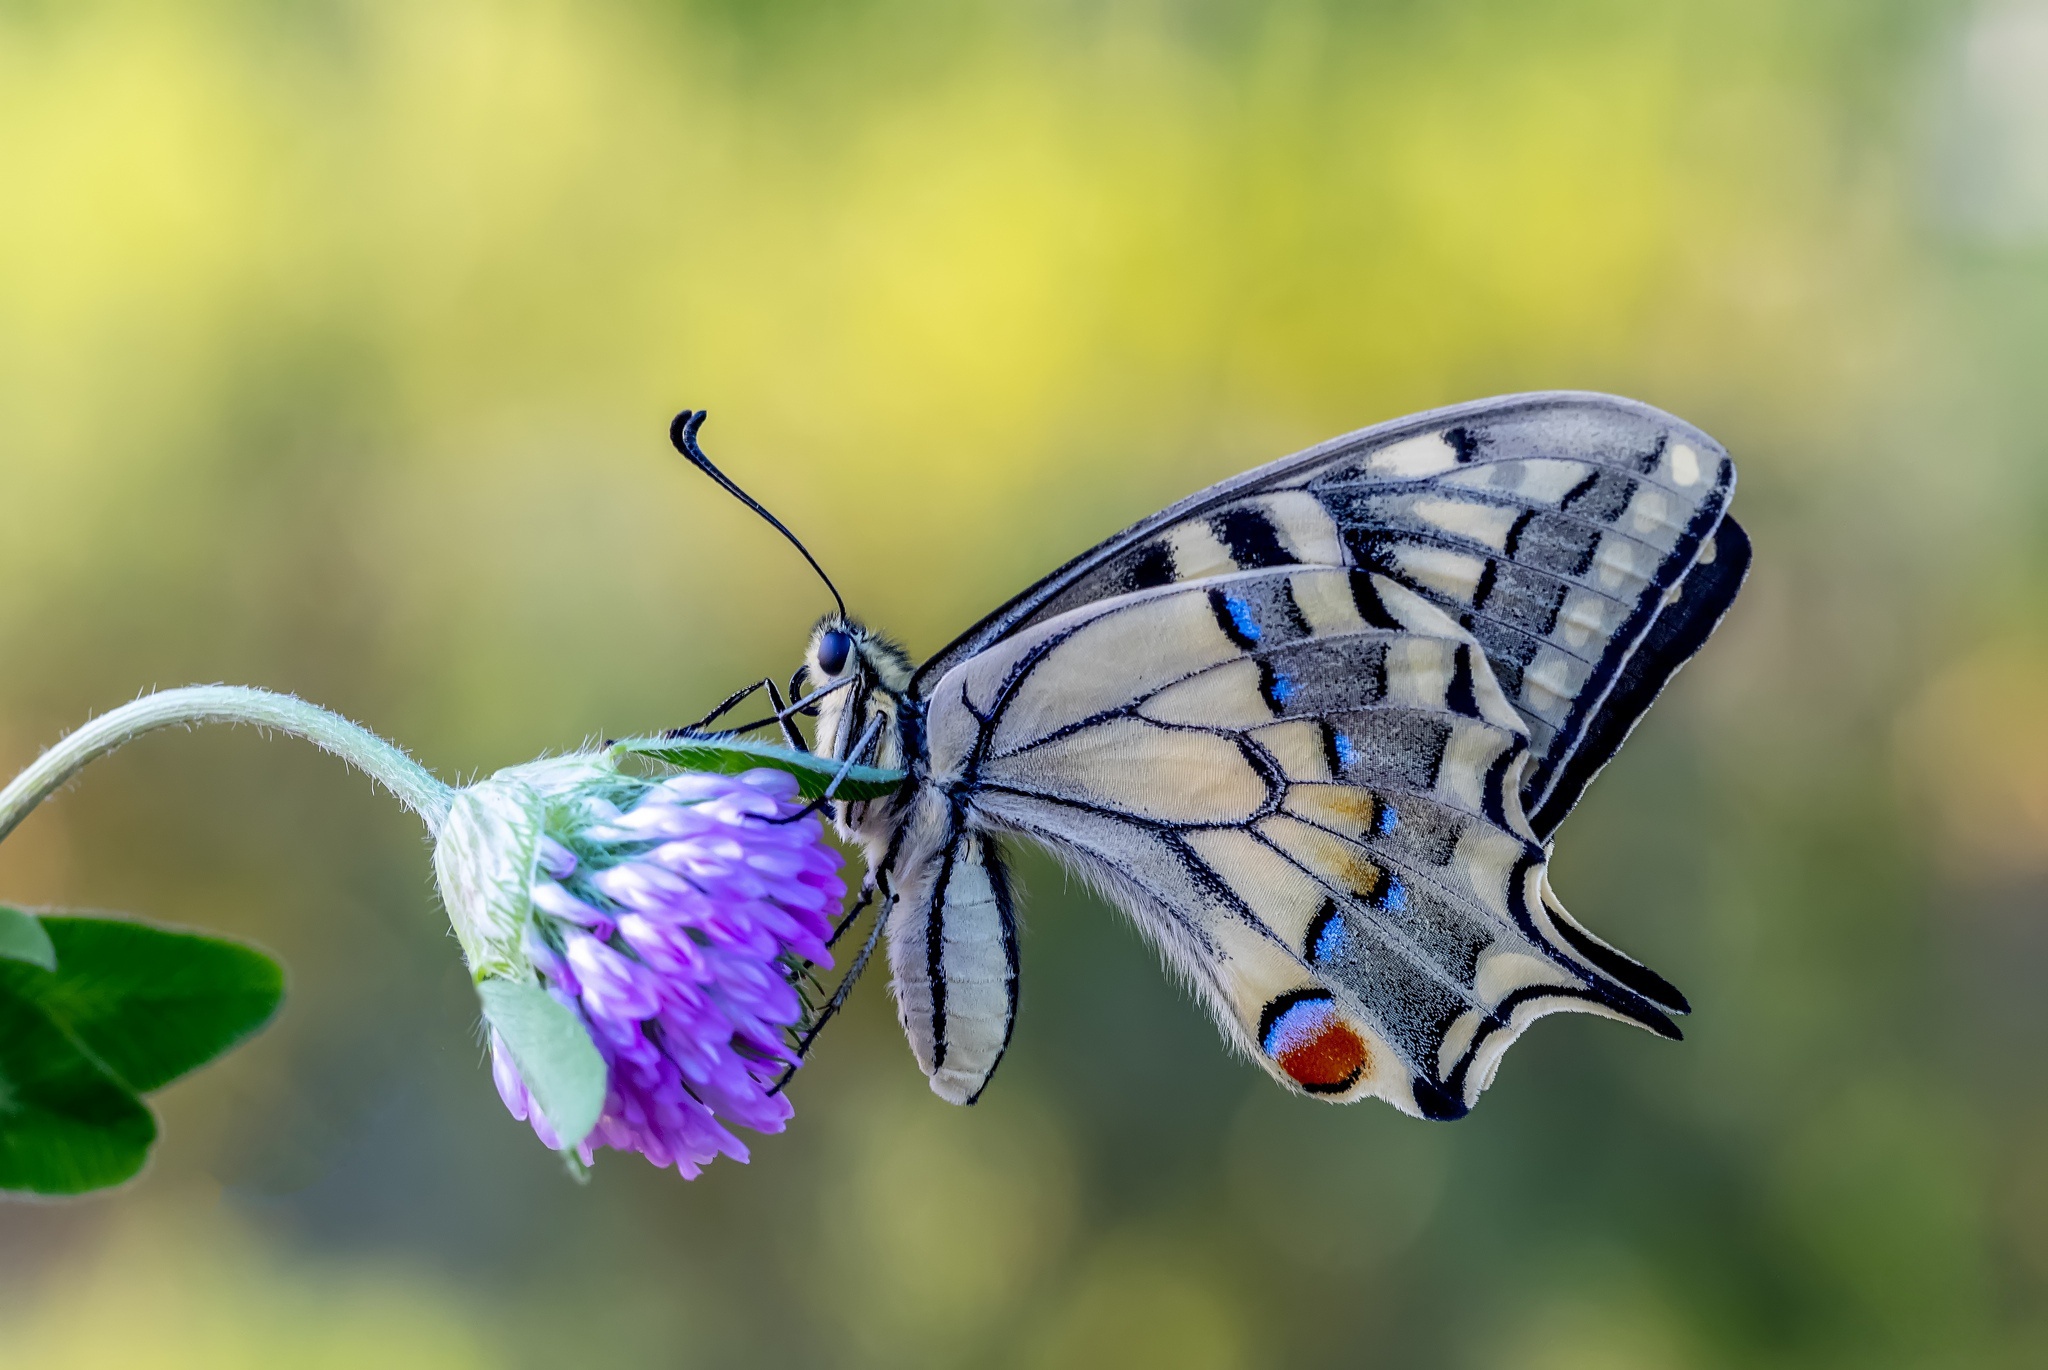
<point>669,917</point>
<point>636,942</point>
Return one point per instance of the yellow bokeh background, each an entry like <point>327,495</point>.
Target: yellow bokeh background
<point>338,340</point>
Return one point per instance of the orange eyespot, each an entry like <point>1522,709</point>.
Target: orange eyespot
<point>1331,1060</point>
<point>1304,1035</point>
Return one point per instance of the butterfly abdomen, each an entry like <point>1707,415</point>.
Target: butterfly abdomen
<point>953,953</point>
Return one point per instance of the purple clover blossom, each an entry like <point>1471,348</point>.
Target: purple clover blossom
<point>672,927</point>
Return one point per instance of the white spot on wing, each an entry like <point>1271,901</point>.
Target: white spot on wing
<point>1135,767</point>
<point>1487,858</point>
<point>1196,552</point>
<point>1587,616</point>
<point>1306,528</point>
<point>1623,567</point>
<point>1324,598</point>
<point>1685,464</point>
<point>1487,523</point>
<point>1650,512</point>
<point>1452,573</point>
<point>1419,456</point>
<point>1225,696</point>
<point>1298,746</point>
<point>1503,969</point>
<point>1456,1039</point>
<point>1541,480</point>
<point>1418,672</point>
<point>1549,684</point>
<point>1471,752</point>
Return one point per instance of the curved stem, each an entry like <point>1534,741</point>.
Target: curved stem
<point>413,784</point>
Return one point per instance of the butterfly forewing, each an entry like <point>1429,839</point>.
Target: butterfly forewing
<point>1688,615</point>
<point>1556,529</point>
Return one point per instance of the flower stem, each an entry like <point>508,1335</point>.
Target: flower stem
<point>413,784</point>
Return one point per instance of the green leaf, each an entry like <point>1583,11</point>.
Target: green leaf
<point>22,939</point>
<point>554,1053</point>
<point>149,1003</point>
<point>732,755</point>
<point>66,1125</point>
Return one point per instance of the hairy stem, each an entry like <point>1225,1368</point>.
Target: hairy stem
<point>413,784</point>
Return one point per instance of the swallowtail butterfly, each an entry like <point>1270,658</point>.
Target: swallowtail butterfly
<point>1312,729</point>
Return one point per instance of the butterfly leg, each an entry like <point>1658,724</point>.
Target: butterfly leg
<point>876,881</point>
<point>781,717</point>
<point>867,741</point>
<point>867,894</point>
<point>790,736</point>
<point>731,701</point>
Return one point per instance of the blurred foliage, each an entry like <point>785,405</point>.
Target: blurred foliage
<point>337,343</point>
<point>98,1012</point>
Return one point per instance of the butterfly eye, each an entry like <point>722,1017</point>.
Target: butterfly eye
<point>833,649</point>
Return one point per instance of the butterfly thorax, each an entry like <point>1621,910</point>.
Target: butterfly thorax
<point>866,713</point>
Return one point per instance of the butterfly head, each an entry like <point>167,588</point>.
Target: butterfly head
<point>841,648</point>
<point>866,676</point>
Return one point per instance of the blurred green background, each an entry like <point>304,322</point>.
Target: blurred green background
<point>337,344</point>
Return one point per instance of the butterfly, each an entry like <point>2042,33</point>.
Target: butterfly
<point>1312,729</point>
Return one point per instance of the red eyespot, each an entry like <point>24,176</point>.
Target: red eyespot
<point>1330,1060</point>
<point>1306,1037</point>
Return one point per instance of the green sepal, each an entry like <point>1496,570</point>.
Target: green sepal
<point>563,1072</point>
<point>484,859</point>
<point>733,755</point>
<point>22,939</point>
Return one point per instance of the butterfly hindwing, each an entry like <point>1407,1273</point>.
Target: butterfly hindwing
<point>1304,782</point>
<point>1555,529</point>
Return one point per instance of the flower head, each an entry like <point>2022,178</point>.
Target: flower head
<point>670,917</point>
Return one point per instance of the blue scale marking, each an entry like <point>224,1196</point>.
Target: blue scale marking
<point>1296,1026</point>
<point>1241,615</point>
<point>1390,819</point>
<point>1328,941</point>
<point>1397,896</point>
<point>1283,688</point>
<point>1347,754</point>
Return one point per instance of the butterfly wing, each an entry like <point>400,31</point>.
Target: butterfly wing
<point>1304,783</point>
<point>1687,617</point>
<point>1561,531</point>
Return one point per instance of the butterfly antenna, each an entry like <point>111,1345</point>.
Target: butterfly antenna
<point>683,433</point>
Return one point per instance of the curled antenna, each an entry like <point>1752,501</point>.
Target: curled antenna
<point>683,433</point>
